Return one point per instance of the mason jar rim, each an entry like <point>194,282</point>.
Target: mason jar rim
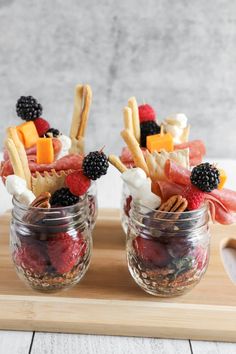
<point>24,207</point>
<point>189,213</point>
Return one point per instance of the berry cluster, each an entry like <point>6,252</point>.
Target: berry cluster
<point>58,254</point>
<point>148,125</point>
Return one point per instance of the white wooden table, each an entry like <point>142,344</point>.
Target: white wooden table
<point>12,342</point>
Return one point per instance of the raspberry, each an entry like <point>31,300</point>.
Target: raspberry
<point>146,113</point>
<point>194,196</point>
<point>65,251</point>
<point>127,205</point>
<point>77,183</point>
<point>42,126</point>
<point>151,252</point>
<point>31,257</point>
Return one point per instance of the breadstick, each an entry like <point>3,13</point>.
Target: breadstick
<point>14,158</point>
<point>12,134</point>
<point>132,103</point>
<point>115,161</point>
<point>87,94</point>
<point>128,122</point>
<point>135,150</point>
<point>78,106</point>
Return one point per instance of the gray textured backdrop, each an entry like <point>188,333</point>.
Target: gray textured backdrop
<point>176,55</point>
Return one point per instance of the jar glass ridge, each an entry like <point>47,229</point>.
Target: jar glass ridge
<point>51,248</point>
<point>167,252</point>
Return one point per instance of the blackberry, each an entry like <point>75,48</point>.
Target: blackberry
<point>205,176</point>
<point>28,108</point>
<point>95,165</point>
<point>52,133</point>
<point>63,197</point>
<point>149,127</point>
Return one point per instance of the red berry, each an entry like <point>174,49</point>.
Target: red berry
<point>42,126</point>
<point>146,113</point>
<point>31,257</point>
<point>194,196</point>
<point>65,251</point>
<point>151,251</point>
<point>77,183</point>
<point>201,256</point>
<point>127,205</point>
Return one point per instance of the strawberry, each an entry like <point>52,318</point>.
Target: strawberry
<point>64,251</point>
<point>146,113</point>
<point>42,126</point>
<point>127,205</point>
<point>151,251</point>
<point>77,183</point>
<point>194,196</point>
<point>201,256</point>
<point>31,257</point>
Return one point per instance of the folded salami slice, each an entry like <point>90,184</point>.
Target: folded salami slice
<point>176,173</point>
<point>68,162</point>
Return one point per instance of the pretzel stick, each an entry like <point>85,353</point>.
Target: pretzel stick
<point>14,158</point>
<point>82,103</point>
<point>115,161</point>
<point>87,94</point>
<point>128,122</point>
<point>12,134</point>
<point>132,103</point>
<point>78,106</point>
<point>135,150</point>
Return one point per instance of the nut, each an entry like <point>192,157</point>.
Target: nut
<point>176,203</point>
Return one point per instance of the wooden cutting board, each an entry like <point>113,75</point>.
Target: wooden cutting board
<point>107,301</point>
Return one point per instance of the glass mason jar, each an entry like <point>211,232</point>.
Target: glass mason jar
<point>51,248</point>
<point>93,204</point>
<point>167,252</point>
<point>126,200</point>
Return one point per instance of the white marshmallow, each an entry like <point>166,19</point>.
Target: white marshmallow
<point>15,185</point>
<point>175,124</point>
<point>66,145</point>
<point>27,197</point>
<point>140,187</point>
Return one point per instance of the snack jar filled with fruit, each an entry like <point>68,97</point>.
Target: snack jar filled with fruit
<point>167,252</point>
<point>52,182</point>
<point>51,247</point>
<point>168,194</point>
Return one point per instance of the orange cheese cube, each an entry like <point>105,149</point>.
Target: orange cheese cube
<point>28,134</point>
<point>223,179</point>
<point>45,151</point>
<point>160,142</point>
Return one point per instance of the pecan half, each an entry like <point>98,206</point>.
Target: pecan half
<point>176,203</point>
<point>42,201</point>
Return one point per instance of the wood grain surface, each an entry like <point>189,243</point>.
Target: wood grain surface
<point>107,301</point>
